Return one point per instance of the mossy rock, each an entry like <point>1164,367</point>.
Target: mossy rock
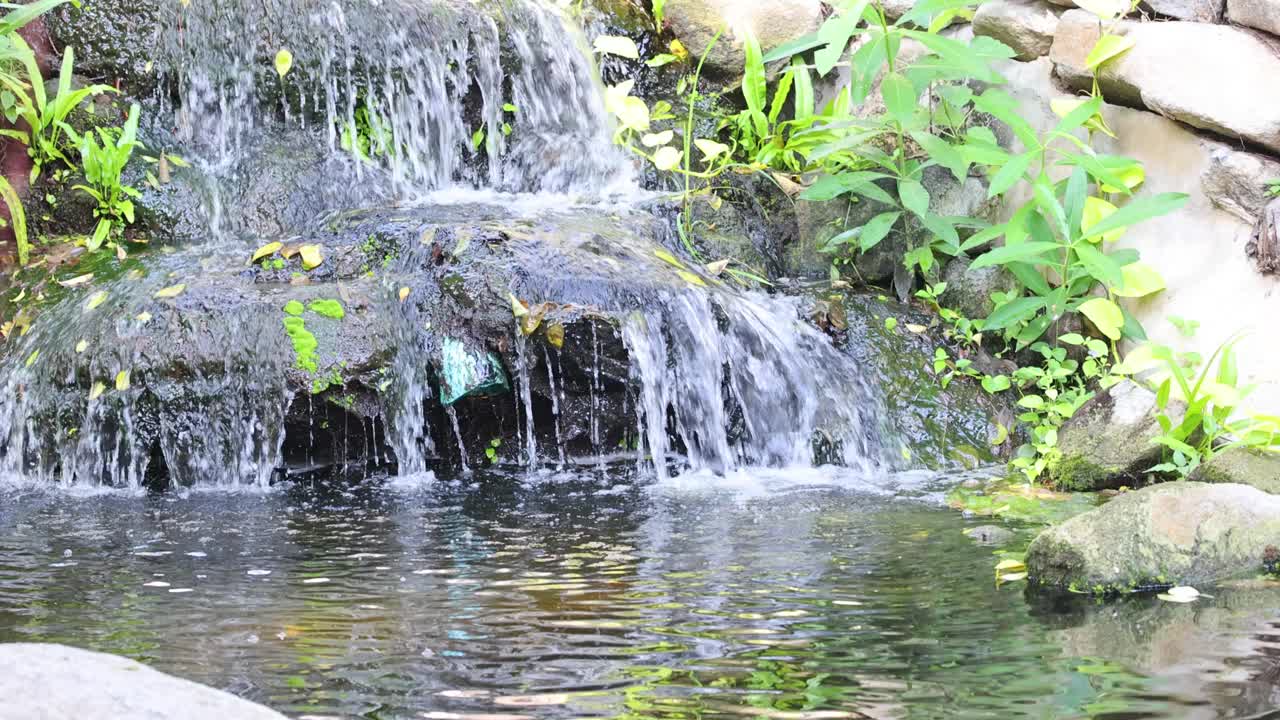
<point>1244,466</point>
<point>1185,533</point>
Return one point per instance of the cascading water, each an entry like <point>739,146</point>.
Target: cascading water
<point>437,96</point>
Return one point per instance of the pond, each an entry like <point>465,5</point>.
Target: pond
<point>789,594</point>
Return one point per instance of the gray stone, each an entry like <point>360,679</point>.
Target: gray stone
<point>1108,442</point>
<point>1230,85</point>
<point>1245,467</point>
<point>1171,534</point>
<point>1205,11</point>
<point>114,40</point>
<point>1026,26</point>
<point>819,221</point>
<point>990,535</point>
<point>696,23</point>
<point>969,291</point>
<point>1260,14</point>
<point>1236,181</point>
<point>55,682</point>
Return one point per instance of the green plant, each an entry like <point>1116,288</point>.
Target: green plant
<point>45,117</point>
<point>14,55</point>
<point>367,135</point>
<point>1273,187</point>
<point>1201,414</point>
<point>104,153</point>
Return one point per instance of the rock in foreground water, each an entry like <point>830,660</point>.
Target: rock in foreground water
<point>1172,534</point>
<point>54,682</point>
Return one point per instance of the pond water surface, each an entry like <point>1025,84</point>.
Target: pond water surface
<point>802,595</point>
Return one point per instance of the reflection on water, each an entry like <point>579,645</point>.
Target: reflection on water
<point>599,597</point>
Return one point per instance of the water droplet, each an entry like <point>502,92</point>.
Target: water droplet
<point>259,572</point>
<point>181,590</point>
<point>315,581</point>
<point>156,584</point>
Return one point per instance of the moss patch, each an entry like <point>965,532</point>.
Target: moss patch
<point>304,343</point>
<point>328,308</point>
<point>1074,473</point>
<point>294,308</point>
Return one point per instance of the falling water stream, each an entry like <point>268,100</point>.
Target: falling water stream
<point>742,543</point>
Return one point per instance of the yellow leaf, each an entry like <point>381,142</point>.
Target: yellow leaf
<point>76,281</point>
<point>312,257</point>
<point>122,380</point>
<point>121,255</point>
<point>288,251</point>
<point>266,251</point>
<point>1011,565</point>
<point>1140,280</point>
<point>404,294</point>
<point>691,278</point>
<point>656,140</point>
<point>710,149</point>
<point>82,346</point>
<point>1095,211</point>
<point>917,329</point>
<point>95,300</point>
<point>668,258</point>
<point>144,317</point>
<point>518,309</point>
<point>96,391</point>
<point>617,45</point>
<point>555,335</point>
<point>1105,315</point>
<point>678,49</point>
<point>718,267</point>
<point>284,62</point>
<point>31,359</point>
<point>667,159</point>
<point>633,113</point>
<point>170,292</point>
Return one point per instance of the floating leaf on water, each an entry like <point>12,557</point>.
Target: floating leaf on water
<point>172,291</point>
<point>76,281</point>
<point>1013,577</point>
<point>95,300</point>
<point>312,257</point>
<point>1011,565</point>
<point>266,251</point>
<point>122,380</point>
<point>718,267</point>
<point>82,346</point>
<point>518,309</point>
<point>555,335</point>
<point>617,45</point>
<point>284,62</point>
<point>1180,594</point>
<point>404,294</point>
<point>96,391</point>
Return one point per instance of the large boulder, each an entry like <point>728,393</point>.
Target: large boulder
<point>1245,467</point>
<point>1183,533</point>
<point>114,40</point>
<point>1260,14</point>
<point>55,682</point>
<point>1026,26</point>
<point>1230,85</point>
<point>1108,442</point>
<point>969,291</point>
<point>697,23</point>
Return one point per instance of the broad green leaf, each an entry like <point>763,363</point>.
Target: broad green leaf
<point>1107,47</point>
<point>835,34</point>
<point>755,88</point>
<point>914,196</point>
<point>1105,315</point>
<point>1140,280</point>
<point>944,154</point>
<point>1013,312</point>
<point>1013,253</point>
<point>617,45</point>
<point>1100,266</point>
<point>876,229</point>
<point>1011,173</point>
<point>899,97</point>
<point>1136,211</point>
<point>803,93</point>
<point>284,62</point>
